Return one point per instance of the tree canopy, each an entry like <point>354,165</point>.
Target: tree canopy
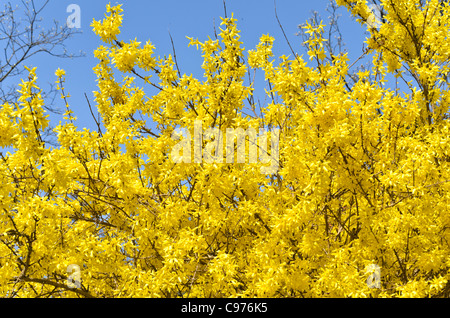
<point>362,174</point>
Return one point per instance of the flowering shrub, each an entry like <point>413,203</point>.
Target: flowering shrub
<point>362,180</point>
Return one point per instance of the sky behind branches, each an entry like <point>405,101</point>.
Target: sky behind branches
<point>153,20</point>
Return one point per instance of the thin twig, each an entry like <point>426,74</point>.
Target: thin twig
<point>93,116</point>
<point>58,285</point>
<point>282,30</point>
<point>174,54</point>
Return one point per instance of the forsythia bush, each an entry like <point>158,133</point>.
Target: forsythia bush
<point>362,179</point>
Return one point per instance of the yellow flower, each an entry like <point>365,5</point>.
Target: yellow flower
<point>60,73</point>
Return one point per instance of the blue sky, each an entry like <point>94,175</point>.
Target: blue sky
<point>152,20</point>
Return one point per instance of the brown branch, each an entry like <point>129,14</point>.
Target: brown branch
<point>402,267</point>
<point>81,292</point>
<point>174,55</point>
<point>93,116</point>
<point>282,30</point>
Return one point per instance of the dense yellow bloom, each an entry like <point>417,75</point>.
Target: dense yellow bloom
<point>358,205</point>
